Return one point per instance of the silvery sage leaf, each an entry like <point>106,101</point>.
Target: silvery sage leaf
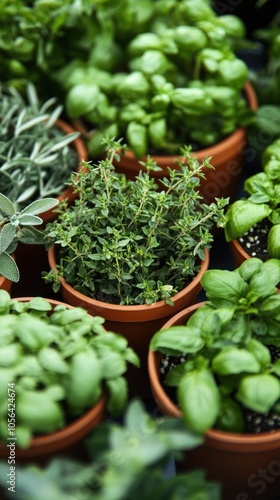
<point>29,220</point>
<point>8,267</point>
<point>7,235</point>
<point>6,206</point>
<point>40,206</point>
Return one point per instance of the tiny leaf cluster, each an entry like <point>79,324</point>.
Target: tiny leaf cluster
<point>130,241</point>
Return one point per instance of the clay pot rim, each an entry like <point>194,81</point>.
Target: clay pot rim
<point>172,410</point>
<point>69,431</point>
<point>132,308</point>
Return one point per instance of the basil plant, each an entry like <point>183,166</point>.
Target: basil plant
<point>228,347</point>
<point>60,361</point>
<point>262,203</point>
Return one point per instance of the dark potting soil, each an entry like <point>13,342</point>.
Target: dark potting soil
<point>254,242</point>
<point>254,422</point>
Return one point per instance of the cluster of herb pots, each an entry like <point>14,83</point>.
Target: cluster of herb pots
<point>60,372</point>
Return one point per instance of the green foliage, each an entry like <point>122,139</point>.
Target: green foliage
<point>128,461</point>
<point>262,202</point>
<point>225,341</point>
<point>58,360</point>
<point>35,158</point>
<point>129,241</point>
<point>17,226</point>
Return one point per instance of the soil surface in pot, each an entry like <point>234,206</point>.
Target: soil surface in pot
<point>254,242</point>
<point>254,422</point>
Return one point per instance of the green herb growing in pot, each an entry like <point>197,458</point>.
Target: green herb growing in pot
<point>231,350</point>
<point>261,205</point>
<point>181,83</point>
<point>129,241</point>
<point>60,360</point>
<point>18,226</point>
<point>35,158</point>
<point>116,465</point>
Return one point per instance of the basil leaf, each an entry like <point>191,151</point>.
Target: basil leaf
<point>241,216</point>
<point>199,400</point>
<point>234,360</point>
<point>259,392</point>
<point>230,418</point>
<point>260,351</point>
<point>177,339</point>
<point>223,284</point>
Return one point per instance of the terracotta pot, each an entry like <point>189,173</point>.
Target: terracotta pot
<point>82,153</point>
<point>136,323</point>
<point>227,158</point>
<point>238,252</point>
<point>5,284</point>
<point>67,440</point>
<point>246,465</point>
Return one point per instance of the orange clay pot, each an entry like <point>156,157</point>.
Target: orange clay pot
<point>136,323</point>
<point>246,465</point>
<point>238,252</point>
<point>227,156</point>
<point>67,441</point>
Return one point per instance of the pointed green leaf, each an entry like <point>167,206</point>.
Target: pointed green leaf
<point>242,215</point>
<point>7,235</point>
<point>233,360</point>
<point>6,206</point>
<point>118,394</point>
<point>39,206</point>
<point>30,220</point>
<point>199,400</point>
<point>8,267</point>
<point>177,339</point>
<point>259,392</point>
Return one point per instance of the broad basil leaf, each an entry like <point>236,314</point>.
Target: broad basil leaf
<point>199,400</point>
<point>235,360</point>
<point>259,392</point>
<point>177,339</point>
<point>230,418</point>
<point>242,215</point>
<point>260,351</point>
<point>273,242</point>
<point>223,284</point>
<point>270,306</point>
<point>249,267</point>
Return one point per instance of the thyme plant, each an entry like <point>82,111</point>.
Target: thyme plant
<point>35,158</point>
<point>131,241</point>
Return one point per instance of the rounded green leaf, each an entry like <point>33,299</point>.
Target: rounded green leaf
<point>199,400</point>
<point>177,339</point>
<point>233,360</point>
<point>242,215</point>
<point>81,99</point>
<point>259,392</point>
<point>223,284</point>
<point>273,242</point>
